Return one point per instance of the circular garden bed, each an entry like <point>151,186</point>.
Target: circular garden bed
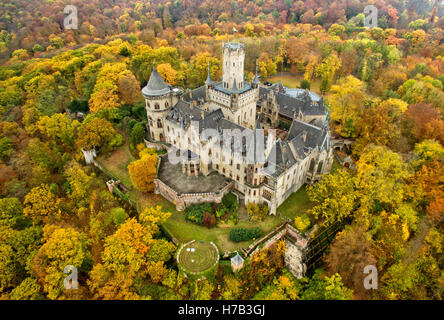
<point>198,258</point>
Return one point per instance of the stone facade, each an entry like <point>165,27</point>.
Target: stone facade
<point>178,120</point>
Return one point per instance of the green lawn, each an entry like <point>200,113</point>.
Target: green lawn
<point>117,164</point>
<point>185,231</point>
<point>296,204</point>
<point>176,225</point>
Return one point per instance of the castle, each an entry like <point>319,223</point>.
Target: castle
<point>294,125</point>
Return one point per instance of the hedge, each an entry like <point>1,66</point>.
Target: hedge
<point>243,234</point>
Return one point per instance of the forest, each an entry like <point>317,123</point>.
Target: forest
<point>64,91</point>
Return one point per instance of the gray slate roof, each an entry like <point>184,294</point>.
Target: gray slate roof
<point>218,86</point>
<point>237,260</point>
<point>301,139</point>
<point>156,86</point>
<point>288,104</point>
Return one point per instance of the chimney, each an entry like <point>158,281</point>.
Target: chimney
<point>304,135</point>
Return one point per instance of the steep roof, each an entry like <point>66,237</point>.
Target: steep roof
<point>305,101</point>
<point>156,86</point>
<point>237,260</point>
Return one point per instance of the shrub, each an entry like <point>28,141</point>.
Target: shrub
<point>244,234</point>
<point>221,210</point>
<point>230,201</point>
<point>194,212</point>
<point>208,220</point>
<point>257,212</point>
<point>305,84</point>
<point>137,133</point>
<point>302,222</point>
<point>119,215</point>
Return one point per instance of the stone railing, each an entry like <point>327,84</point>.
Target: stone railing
<point>252,247</point>
<point>183,199</point>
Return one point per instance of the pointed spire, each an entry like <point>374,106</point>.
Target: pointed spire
<point>234,86</point>
<point>156,86</point>
<point>256,77</point>
<point>208,81</point>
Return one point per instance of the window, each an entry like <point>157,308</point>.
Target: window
<point>238,166</point>
<point>320,166</point>
<point>166,104</point>
<point>159,123</point>
<point>147,104</point>
<point>267,194</point>
<point>156,106</point>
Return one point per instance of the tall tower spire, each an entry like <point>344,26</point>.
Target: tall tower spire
<point>233,65</point>
<point>208,81</point>
<point>256,80</point>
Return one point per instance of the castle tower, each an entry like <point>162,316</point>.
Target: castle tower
<point>159,98</point>
<point>233,66</point>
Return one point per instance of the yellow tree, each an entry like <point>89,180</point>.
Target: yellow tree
<point>151,217</point>
<point>130,255</point>
<point>40,204</point>
<point>381,124</point>
<point>168,73</point>
<point>334,196</point>
<point>327,70</point>
<point>95,133</point>
<point>105,96</point>
<point>143,171</point>
<point>63,247</point>
<point>59,128</point>
<point>79,182</point>
<point>347,104</point>
<point>380,178</point>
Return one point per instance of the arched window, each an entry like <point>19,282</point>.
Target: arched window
<point>159,123</point>
<point>166,104</point>
<point>320,166</point>
<point>151,121</point>
<point>312,164</point>
<point>161,137</point>
<point>147,104</point>
<point>156,106</point>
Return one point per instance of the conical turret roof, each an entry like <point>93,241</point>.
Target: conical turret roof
<point>208,81</point>
<point>156,86</point>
